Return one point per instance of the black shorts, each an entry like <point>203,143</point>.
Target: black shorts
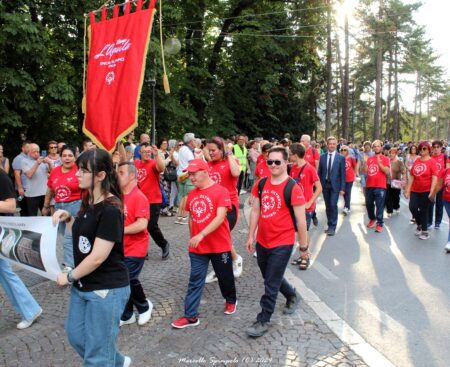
<point>232,217</point>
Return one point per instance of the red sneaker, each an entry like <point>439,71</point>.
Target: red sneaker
<point>230,308</point>
<point>371,223</point>
<point>378,228</point>
<point>183,322</point>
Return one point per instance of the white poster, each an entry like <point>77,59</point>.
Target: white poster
<point>30,242</point>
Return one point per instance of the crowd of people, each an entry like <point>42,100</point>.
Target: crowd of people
<point>109,206</point>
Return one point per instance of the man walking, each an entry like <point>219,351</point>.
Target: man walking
<point>271,218</point>
<point>135,243</point>
<point>210,240</point>
<point>312,156</point>
<point>148,175</point>
<point>20,178</point>
<point>332,177</point>
<point>377,168</point>
<point>240,152</point>
<point>439,157</point>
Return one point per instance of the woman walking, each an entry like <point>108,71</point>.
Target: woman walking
<point>420,189</point>
<point>100,288</point>
<point>395,183</point>
<point>351,167</point>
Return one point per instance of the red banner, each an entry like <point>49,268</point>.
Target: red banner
<point>116,66</point>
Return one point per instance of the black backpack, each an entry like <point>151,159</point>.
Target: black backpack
<point>286,195</point>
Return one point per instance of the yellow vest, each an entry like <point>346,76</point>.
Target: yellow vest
<point>241,155</point>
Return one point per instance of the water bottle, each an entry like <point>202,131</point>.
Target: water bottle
<point>20,198</point>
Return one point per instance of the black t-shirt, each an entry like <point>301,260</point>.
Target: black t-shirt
<point>104,221</point>
<point>6,188</point>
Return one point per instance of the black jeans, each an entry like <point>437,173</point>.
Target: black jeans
<point>137,295</point>
<point>392,199</point>
<point>273,263</point>
<point>153,227</point>
<point>240,181</point>
<point>418,204</point>
<point>34,204</point>
<point>439,210</point>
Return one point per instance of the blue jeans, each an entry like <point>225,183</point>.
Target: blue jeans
<point>447,209</point>
<point>439,210</point>
<point>18,294</point>
<point>375,197</point>
<point>309,216</point>
<point>137,296</point>
<point>92,325</point>
<point>223,267</point>
<point>72,207</point>
<point>331,200</point>
<point>348,194</point>
<point>273,263</point>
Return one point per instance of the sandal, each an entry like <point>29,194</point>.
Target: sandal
<point>304,263</point>
<point>296,261</point>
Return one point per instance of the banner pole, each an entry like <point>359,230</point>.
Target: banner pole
<point>153,131</point>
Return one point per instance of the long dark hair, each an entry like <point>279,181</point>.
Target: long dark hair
<point>95,161</point>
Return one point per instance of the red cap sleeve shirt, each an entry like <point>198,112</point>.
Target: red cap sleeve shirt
<point>135,207</point>
<point>260,159</point>
<point>440,162</point>
<point>262,169</point>
<point>376,178</point>
<point>202,206</point>
<point>446,188</point>
<point>220,173</point>
<point>350,164</point>
<point>423,171</point>
<point>311,156</point>
<point>306,181</point>
<point>65,185</point>
<point>148,180</point>
<point>275,227</point>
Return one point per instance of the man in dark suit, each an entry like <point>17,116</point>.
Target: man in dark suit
<point>332,177</point>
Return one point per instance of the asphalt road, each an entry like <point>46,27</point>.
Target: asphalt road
<point>391,287</point>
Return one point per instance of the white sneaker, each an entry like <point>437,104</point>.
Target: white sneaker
<point>211,277</point>
<point>145,317</point>
<point>127,361</point>
<point>243,192</point>
<point>447,247</point>
<point>424,235</point>
<point>131,320</point>
<point>397,211</point>
<point>237,267</point>
<point>346,211</point>
<point>255,254</point>
<point>27,323</point>
<point>389,215</point>
<point>418,232</point>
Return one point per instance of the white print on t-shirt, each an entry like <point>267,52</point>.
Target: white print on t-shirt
<point>438,166</point>
<point>141,174</point>
<point>125,211</point>
<point>63,192</point>
<point>347,165</point>
<point>419,169</point>
<point>225,257</point>
<point>84,245</point>
<point>201,209</point>
<point>373,170</point>
<point>216,177</point>
<point>270,203</point>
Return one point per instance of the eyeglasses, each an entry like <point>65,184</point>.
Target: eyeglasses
<point>277,162</point>
<point>436,146</point>
<point>83,171</point>
<point>344,150</point>
<point>53,147</point>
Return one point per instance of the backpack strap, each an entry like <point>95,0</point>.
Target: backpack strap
<point>261,184</point>
<point>287,199</point>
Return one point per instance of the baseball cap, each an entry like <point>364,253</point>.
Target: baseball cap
<point>196,165</point>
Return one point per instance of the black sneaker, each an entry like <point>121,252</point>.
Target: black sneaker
<point>259,328</point>
<point>291,305</point>
<point>166,251</point>
<point>315,221</point>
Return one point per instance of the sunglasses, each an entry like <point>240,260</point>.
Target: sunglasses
<point>277,162</point>
<point>344,150</point>
<point>53,147</point>
<point>424,148</point>
<point>180,145</point>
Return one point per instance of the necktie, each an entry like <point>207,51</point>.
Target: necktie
<point>329,167</point>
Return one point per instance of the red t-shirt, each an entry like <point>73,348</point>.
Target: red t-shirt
<point>220,173</point>
<point>423,172</point>
<point>306,182</point>
<point>135,206</point>
<point>375,176</point>
<point>262,170</point>
<point>65,185</point>
<point>148,180</point>
<point>440,161</point>
<point>445,175</point>
<point>202,206</point>
<point>350,164</point>
<point>311,157</point>
<point>260,159</point>
<point>275,227</point>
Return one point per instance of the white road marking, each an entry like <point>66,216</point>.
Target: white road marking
<point>324,271</point>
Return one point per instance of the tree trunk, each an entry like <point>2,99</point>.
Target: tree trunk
<point>379,70</point>
<point>413,135</point>
<point>419,137</point>
<point>427,121</point>
<point>345,86</point>
<point>396,101</point>
<point>388,100</point>
<point>329,74</point>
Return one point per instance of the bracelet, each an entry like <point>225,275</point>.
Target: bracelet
<point>228,153</point>
<point>70,277</point>
<point>46,207</point>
